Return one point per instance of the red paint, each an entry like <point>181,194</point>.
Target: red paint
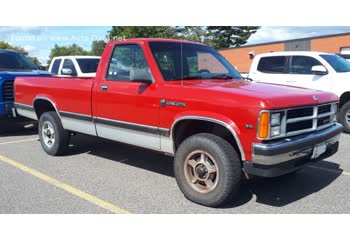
<point>235,102</point>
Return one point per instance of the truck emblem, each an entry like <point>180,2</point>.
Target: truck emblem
<point>316,98</point>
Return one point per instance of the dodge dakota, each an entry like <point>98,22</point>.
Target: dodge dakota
<point>184,99</point>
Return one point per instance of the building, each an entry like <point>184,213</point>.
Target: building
<point>241,57</point>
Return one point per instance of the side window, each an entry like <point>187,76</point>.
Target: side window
<point>55,66</point>
<point>303,64</point>
<point>68,63</point>
<point>272,64</point>
<point>128,63</point>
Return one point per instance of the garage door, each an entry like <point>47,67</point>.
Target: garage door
<point>345,50</point>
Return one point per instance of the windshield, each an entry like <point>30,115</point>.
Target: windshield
<point>12,61</point>
<point>88,65</point>
<point>339,64</point>
<point>178,61</point>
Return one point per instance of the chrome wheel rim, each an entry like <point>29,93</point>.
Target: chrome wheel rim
<point>347,117</point>
<point>201,171</point>
<point>48,134</point>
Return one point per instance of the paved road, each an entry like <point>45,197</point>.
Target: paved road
<point>101,176</point>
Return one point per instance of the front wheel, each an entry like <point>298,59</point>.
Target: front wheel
<point>344,117</point>
<point>207,169</point>
<point>53,137</point>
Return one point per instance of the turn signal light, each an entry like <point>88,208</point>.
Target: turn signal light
<point>264,125</point>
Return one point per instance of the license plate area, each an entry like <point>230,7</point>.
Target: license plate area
<point>319,149</point>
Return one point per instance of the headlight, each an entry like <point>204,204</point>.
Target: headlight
<point>275,131</point>
<point>275,119</point>
<point>270,124</point>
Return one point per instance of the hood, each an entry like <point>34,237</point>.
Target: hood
<point>271,96</point>
<point>11,75</point>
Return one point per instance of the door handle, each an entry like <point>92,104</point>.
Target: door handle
<point>104,87</point>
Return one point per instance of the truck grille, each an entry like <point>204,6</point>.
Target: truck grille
<point>7,91</point>
<point>307,119</point>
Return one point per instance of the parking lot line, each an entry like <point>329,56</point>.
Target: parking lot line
<point>19,141</point>
<point>331,170</point>
<point>64,186</point>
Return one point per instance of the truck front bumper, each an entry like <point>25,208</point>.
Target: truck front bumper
<point>288,155</point>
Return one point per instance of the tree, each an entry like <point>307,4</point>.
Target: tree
<point>69,50</point>
<point>97,47</point>
<point>5,45</point>
<point>193,33</point>
<point>215,36</point>
<point>230,36</point>
<point>35,60</point>
<point>142,32</point>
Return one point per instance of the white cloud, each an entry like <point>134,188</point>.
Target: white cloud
<point>271,34</point>
<point>28,29</point>
<point>29,48</point>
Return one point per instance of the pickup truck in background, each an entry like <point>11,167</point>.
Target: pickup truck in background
<point>184,99</point>
<point>76,66</point>
<point>316,70</point>
<point>12,65</point>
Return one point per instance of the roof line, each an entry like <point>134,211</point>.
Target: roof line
<point>290,40</point>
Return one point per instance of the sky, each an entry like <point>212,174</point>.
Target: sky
<point>38,41</point>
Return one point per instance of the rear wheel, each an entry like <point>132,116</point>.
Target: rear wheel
<point>207,169</point>
<point>53,137</point>
<point>344,117</point>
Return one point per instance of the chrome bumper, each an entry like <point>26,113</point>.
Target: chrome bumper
<point>285,150</point>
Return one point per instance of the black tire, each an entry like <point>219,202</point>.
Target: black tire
<point>228,165</point>
<point>342,117</point>
<point>60,136</point>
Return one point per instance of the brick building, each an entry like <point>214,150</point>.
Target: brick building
<point>239,56</point>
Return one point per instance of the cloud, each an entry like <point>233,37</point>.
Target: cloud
<point>29,48</point>
<point>271,34</point>
<point>6,32</point>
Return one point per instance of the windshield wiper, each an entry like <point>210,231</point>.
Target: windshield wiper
<point>222,76</point>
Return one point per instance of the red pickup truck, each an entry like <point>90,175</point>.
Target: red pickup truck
<point>184,99</point>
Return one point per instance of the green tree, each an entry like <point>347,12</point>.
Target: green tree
<point>230,36</point>
<point>5,45</point>
<point>69,50</point>
<point>97,47</point>
<point>35,60</point>
<point>118,32</point>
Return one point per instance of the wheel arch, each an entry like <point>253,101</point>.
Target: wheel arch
<point>43,104</point>
<point>225,126</point>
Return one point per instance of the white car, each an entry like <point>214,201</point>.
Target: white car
<point>79,66</point>
<point>316,70</point>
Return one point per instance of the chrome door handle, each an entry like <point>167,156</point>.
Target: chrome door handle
<point>104,87</point>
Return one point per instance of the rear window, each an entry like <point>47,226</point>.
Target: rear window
<point>272,64</point>
<point>56,66</point>
<point>88,65</point>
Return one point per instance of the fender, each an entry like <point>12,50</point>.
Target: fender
<point>47,98</point>
<point>210,117</point>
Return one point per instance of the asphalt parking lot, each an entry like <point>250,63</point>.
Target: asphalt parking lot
<point>101,176</point>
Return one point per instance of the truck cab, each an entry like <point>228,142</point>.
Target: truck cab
<point>74,66</point>
<point>314,70</point>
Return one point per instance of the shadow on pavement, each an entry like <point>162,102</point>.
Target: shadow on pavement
<point>22,127</point>
<point>277,192</point>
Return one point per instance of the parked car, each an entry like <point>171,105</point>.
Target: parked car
<point>77,66</point>
<point>12,65</point>
<point>184,99</point>
<point>316,70</point>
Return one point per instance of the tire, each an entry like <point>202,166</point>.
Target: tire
<point>220,185</point>
<point>344,111</point>
<point>53,138</point>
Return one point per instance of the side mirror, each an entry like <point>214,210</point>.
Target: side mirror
<point>66,71</point>
<point>319,70</point>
